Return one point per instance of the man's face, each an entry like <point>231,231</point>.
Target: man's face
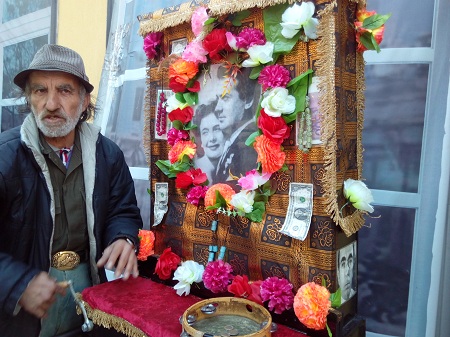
<point>55,102</point>
<point>230,109</point>
<point>345,272</point>
<point>211,136</point>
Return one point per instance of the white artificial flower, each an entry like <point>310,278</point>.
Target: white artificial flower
<point>172,104</point>
<point>259,54</point>
<point>277,102</point>
<point>186,274</point>
<point>298,16</point>
<point>243,201</point>
<point>358,194</point>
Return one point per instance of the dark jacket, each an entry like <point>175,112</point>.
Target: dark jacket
<point>27,213</point>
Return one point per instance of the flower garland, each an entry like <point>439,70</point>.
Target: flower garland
<point>282,98</point>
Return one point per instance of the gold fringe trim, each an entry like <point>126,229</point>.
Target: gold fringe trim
<point>146,134</point>
<point>108,321</point>
<point>159,20</point>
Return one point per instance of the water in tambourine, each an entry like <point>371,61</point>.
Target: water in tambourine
<point>233,324</point>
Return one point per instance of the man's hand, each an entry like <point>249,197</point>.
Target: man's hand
<point>120,254</point>
<point>40,294</point>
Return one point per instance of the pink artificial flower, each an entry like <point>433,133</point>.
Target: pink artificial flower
<point>253,179</point>
<point>274,76</point>
<point>152,45</point>
<point>217,275</point>
<point>250,37</point>
<point>278,291</point>
<point>195,194</point>
<point>195,52</point>
<point>198,20</point>
<point>174,135</point>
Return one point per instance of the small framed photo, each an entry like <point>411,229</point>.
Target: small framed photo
<point>177,46</point>
<point>160,131</point>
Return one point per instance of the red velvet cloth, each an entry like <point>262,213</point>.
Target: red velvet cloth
<point>151,307</point>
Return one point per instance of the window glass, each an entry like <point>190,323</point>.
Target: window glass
<point>143,200</point>
<point>12,9</point>
<point>17,57</point>
<point>410,24</point>
<point>393,125</point>
<point>383,281</point>
<point>126,120</point>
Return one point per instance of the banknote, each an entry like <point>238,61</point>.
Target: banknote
<point>299,212</point>
<point>161,201</point>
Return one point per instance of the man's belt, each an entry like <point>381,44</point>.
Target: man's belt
<point>67,260</point>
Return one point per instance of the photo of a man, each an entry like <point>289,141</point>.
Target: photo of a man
<point>346,266</point>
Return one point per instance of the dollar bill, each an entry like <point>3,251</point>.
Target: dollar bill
<point>161,201</point>
<point>299,212</point>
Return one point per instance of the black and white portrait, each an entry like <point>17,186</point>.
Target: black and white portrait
<point>177,46</point>
<point>346,271</point>
<point>234,111</point>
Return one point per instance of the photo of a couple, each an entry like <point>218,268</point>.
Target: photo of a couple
<point>224,122</point>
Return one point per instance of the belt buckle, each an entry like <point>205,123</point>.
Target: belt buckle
<point>65,260</point>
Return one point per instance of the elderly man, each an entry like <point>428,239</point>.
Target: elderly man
<point>346,259</point>
<point>68,205</point>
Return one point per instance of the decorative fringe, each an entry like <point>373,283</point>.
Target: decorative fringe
<point>159,20</point>
<point>146,133</point>
<point>108,321</point>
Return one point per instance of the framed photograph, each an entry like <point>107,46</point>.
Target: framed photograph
<point>346,262</point>
<point>177,46</point>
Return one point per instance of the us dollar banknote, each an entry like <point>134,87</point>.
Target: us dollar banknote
<point>161,202</point>
<point>299,212</point>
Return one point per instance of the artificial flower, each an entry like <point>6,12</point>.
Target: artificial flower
<point>269,153</point>
<point>243,201</point>
<point>194,52</point>
<point>311,305</point>
<point>274,76</point>
<point>297,17</point>
<point>253,179</point>
<point>226,191</point>
<point>167,262</point>
<point>369,33</point>
<point>146,244</point>
<point>174,135</point>
<point>358,194</point>
<point>172,103</point>
<point>195,194</point>
<point>278,291</point>
<point>277,102</point>
<point>249,37</point>
<point>199,17</point>
<point>181,74</point>
<point>152,45</point>
<point>274,128</point>
<point>215,43</point>
<point>186,274</point>
<point>192,176</point>
<point>183,115</point>
<point>240,287</point>
<point>181,148</point>
<point>217,276</point>
<point>259,54</point>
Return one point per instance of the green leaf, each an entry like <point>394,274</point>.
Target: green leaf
<point>369,42</point>
<point>191,98</point>
<point>189,126</point>
<point>298,87</point>
<point>209,21</point>
<point>178,125</point>
<point>180,97</point>
<point>254,74</point>
<point>251,139</point>
<point>330,334</point>
<point>335,298</point>
<point>256,215</point>
<point>272,29</point>
<point>375,21</point>
<point>164,166</point>
<point>291,117</point>
<point>237,18</point>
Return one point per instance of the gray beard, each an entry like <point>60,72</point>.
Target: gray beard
<point>57,131</point>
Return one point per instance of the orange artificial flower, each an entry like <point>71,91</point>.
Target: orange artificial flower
<point>270,154</point>
<point>182,71</point>
<point>311,305</point>
<point>226,191</point>
<point>378,33</point>
<point>181,148</point>
<point>146,244</point>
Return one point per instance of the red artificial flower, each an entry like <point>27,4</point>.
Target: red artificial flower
<point>215,43</point>
<point>183,115</point>
<point>181,148</point>
<point>269,153</point>
<point>191,177</point>
<point>167,262</point>
<point>240,287</point>
<point>217,275</point>
<point>275,128</point>
<point>377,33</point>
<point>181,75</point>
<point>146,244</point>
